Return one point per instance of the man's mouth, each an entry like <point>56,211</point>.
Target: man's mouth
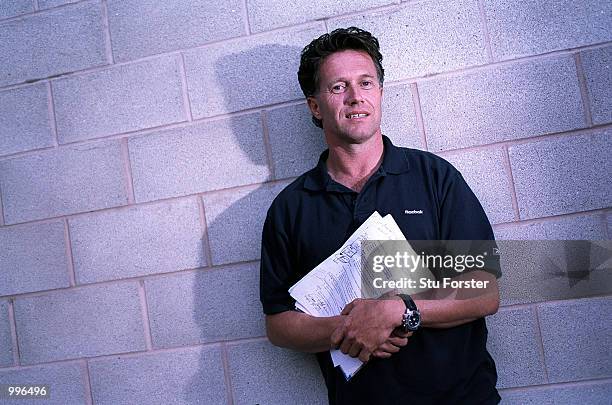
<point>357,115</point>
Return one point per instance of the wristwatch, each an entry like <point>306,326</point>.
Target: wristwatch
<point>411,320</point>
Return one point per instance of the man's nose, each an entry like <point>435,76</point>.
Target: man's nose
<point>354,95</point>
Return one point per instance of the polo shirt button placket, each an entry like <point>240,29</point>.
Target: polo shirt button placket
<point>364,208</point>
<point>355,205</point>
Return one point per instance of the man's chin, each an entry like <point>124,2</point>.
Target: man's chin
<point>357,137</point>
<point>356,134</point>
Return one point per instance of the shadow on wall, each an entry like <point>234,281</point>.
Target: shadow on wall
<point>226,300</point>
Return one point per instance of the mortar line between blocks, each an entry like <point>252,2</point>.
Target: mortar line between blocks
<point>185,88</point>
<point>510,307</point>
<point>416,101</point>
<point>552,218</point>
<point>552,301</point>
<point>532,139</point>
<point>87,381</point>
<point>68,240</point>
<point>486,67</point>
<point>129,280</point>
<point>14,337</point>
<point>52,116</point>
<point>39,11</point>
<point>485,30</point>
<point>236,188</point>
<point>268,145</point>
<point>108,43</point>
<point>1,208</point>
<point>245,15</point>
<point>129,355</point>
<point>540,341</point>
<point>127,167</point>
<point>537,387</point>
<point>391,7</point>
<point>508,166</point>
<point>205,238</point>
<point>584,92</point>
<point>144,308</point>
<point>226,374</point>
<point>159,128</point>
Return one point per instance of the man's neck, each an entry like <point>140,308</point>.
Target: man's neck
<point>352,164</point>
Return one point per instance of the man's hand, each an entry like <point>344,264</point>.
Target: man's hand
<point>393,344</point>
<point>368,325</point>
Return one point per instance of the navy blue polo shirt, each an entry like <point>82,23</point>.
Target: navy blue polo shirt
<point>429,199</point>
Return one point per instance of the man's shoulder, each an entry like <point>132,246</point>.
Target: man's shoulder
<point>425,161</point>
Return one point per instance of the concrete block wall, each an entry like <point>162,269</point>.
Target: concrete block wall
<point>141,143</point>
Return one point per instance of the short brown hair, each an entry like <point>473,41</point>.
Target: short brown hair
<point>338,40</point>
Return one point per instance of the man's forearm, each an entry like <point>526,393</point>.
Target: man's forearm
<point>449,313</point>
<point>301,332</point>
<point>446,308</point>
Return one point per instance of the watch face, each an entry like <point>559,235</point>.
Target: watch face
<point>414,320</point>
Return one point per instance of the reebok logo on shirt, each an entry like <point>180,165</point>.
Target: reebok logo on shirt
<point>413,212</point>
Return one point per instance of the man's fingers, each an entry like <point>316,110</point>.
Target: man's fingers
<point>400,333</point>
<point>364,356</point>
<point>345,346</point>
<point>381,355</point>
<point>336,337</point>
<point>397,341</point>
<point>354,350</point>
<point>388,347</point>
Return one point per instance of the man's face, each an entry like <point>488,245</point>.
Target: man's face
<point>349,97</point>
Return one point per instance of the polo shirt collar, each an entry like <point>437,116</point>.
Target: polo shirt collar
<point>395,161</point>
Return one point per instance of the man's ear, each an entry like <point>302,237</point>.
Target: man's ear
<point>314,107</point>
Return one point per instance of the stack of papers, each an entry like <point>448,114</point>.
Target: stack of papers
<point>339,279</point>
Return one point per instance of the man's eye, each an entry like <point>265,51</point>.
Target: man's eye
<point>367,84</point>
<point>338,88</point>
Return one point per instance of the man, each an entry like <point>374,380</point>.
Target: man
<point>442,360</point>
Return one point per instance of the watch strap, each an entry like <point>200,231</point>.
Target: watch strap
<point>408,301</point>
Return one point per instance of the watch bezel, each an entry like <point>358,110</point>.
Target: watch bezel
<point>411,318</point>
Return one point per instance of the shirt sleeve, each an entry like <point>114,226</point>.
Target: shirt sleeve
<point>463,218</point>
<point>275,266</point>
